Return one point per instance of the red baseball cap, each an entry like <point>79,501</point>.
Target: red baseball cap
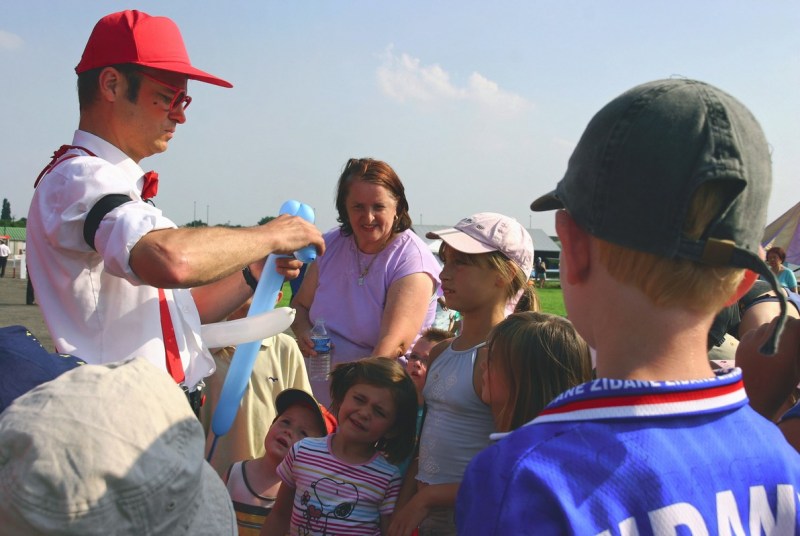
<point>290,397</point>
<point>135,37</point>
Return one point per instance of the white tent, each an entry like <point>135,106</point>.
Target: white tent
<point>785,232</point>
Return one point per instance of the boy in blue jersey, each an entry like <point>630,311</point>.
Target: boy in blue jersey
<point>662,208</point>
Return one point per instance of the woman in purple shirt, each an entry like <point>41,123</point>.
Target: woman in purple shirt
<point>376,285</point>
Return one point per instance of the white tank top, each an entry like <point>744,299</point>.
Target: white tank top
<point>457,424</point>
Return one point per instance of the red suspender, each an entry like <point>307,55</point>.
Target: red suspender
<point>57,157</point>
<point>174,365</point>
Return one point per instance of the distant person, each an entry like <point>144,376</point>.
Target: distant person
<point>112,273</point>
<point>278,366</point>
<point>446,319</point>
<point>376,286</point>
<point>663,205</point>
<point>488,258</point>
<point>540,272</point>
<point>347,483</point>
<point>5,251</point>
<point>108,449</point>
<point>532,358</point>
<point>253,483</point>
<point>776,256</point>
<point>30,296</point>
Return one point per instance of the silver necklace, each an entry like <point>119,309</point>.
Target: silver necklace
<point>365,271</point>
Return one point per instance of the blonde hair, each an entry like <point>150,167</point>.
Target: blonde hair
<point>540,355</point>
<point>676,282</point>
<point>528,300</point>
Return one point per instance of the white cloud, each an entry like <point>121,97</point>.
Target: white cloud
<point>404,78</point>
<point>9,41</point>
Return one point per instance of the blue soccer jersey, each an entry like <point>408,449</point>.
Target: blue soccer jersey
<point>635,458</point>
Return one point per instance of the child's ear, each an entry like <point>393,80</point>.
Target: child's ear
<point>575,248</point>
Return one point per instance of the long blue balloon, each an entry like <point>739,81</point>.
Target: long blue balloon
<point>244,357</point>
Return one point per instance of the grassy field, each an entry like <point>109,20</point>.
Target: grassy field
<point>287,295</point>
<point>551,298</point>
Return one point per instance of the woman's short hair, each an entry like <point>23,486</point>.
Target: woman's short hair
<point>779,251</point>
<point>373,172</point>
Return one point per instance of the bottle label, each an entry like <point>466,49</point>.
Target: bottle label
<point>322,345</point>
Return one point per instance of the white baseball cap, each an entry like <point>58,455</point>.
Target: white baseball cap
<point>488,231</point>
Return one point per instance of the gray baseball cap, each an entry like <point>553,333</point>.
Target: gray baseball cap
<point>642,157</point>
<point>105,449</point>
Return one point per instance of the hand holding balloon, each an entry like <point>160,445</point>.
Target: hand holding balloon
<point>244,357</point>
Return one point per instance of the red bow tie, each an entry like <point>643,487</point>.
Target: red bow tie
<point>150,187</point>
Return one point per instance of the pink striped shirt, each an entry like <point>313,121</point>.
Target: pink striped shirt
<point>336,497</point>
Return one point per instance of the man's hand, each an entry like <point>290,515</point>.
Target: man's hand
<point>288,267</point>
<point>288,234</point>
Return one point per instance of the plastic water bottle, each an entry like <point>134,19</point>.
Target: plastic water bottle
<point>319,367</point>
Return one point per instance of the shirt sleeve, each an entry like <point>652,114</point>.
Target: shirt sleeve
<point>121,229</point>
<point>411,258</point>
<point>73,189</point>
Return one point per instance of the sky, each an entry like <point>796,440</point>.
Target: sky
<point>477,105</point>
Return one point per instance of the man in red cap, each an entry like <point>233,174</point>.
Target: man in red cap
<point>112,273</point>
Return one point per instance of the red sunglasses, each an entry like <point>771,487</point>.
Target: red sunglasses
<point>179,99</point>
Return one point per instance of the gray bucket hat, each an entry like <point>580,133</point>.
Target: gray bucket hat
<point>108,449</point>
<point>642,157</point>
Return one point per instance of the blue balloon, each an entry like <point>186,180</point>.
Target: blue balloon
<point>244,357</point>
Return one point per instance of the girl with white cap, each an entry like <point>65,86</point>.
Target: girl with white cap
<point>487,261</point>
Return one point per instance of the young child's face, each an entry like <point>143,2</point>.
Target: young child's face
<point>366,414</point>
<point>291,426</point>
<point>417,366</point>
<point>466,285</point>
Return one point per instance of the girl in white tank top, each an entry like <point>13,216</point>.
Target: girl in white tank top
<point>487,262</point>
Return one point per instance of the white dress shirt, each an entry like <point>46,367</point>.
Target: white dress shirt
<point>94,305</point>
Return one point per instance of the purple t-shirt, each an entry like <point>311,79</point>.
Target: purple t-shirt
<point>353,312</point>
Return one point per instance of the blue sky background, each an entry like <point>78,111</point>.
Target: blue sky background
<point>477,105</point>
